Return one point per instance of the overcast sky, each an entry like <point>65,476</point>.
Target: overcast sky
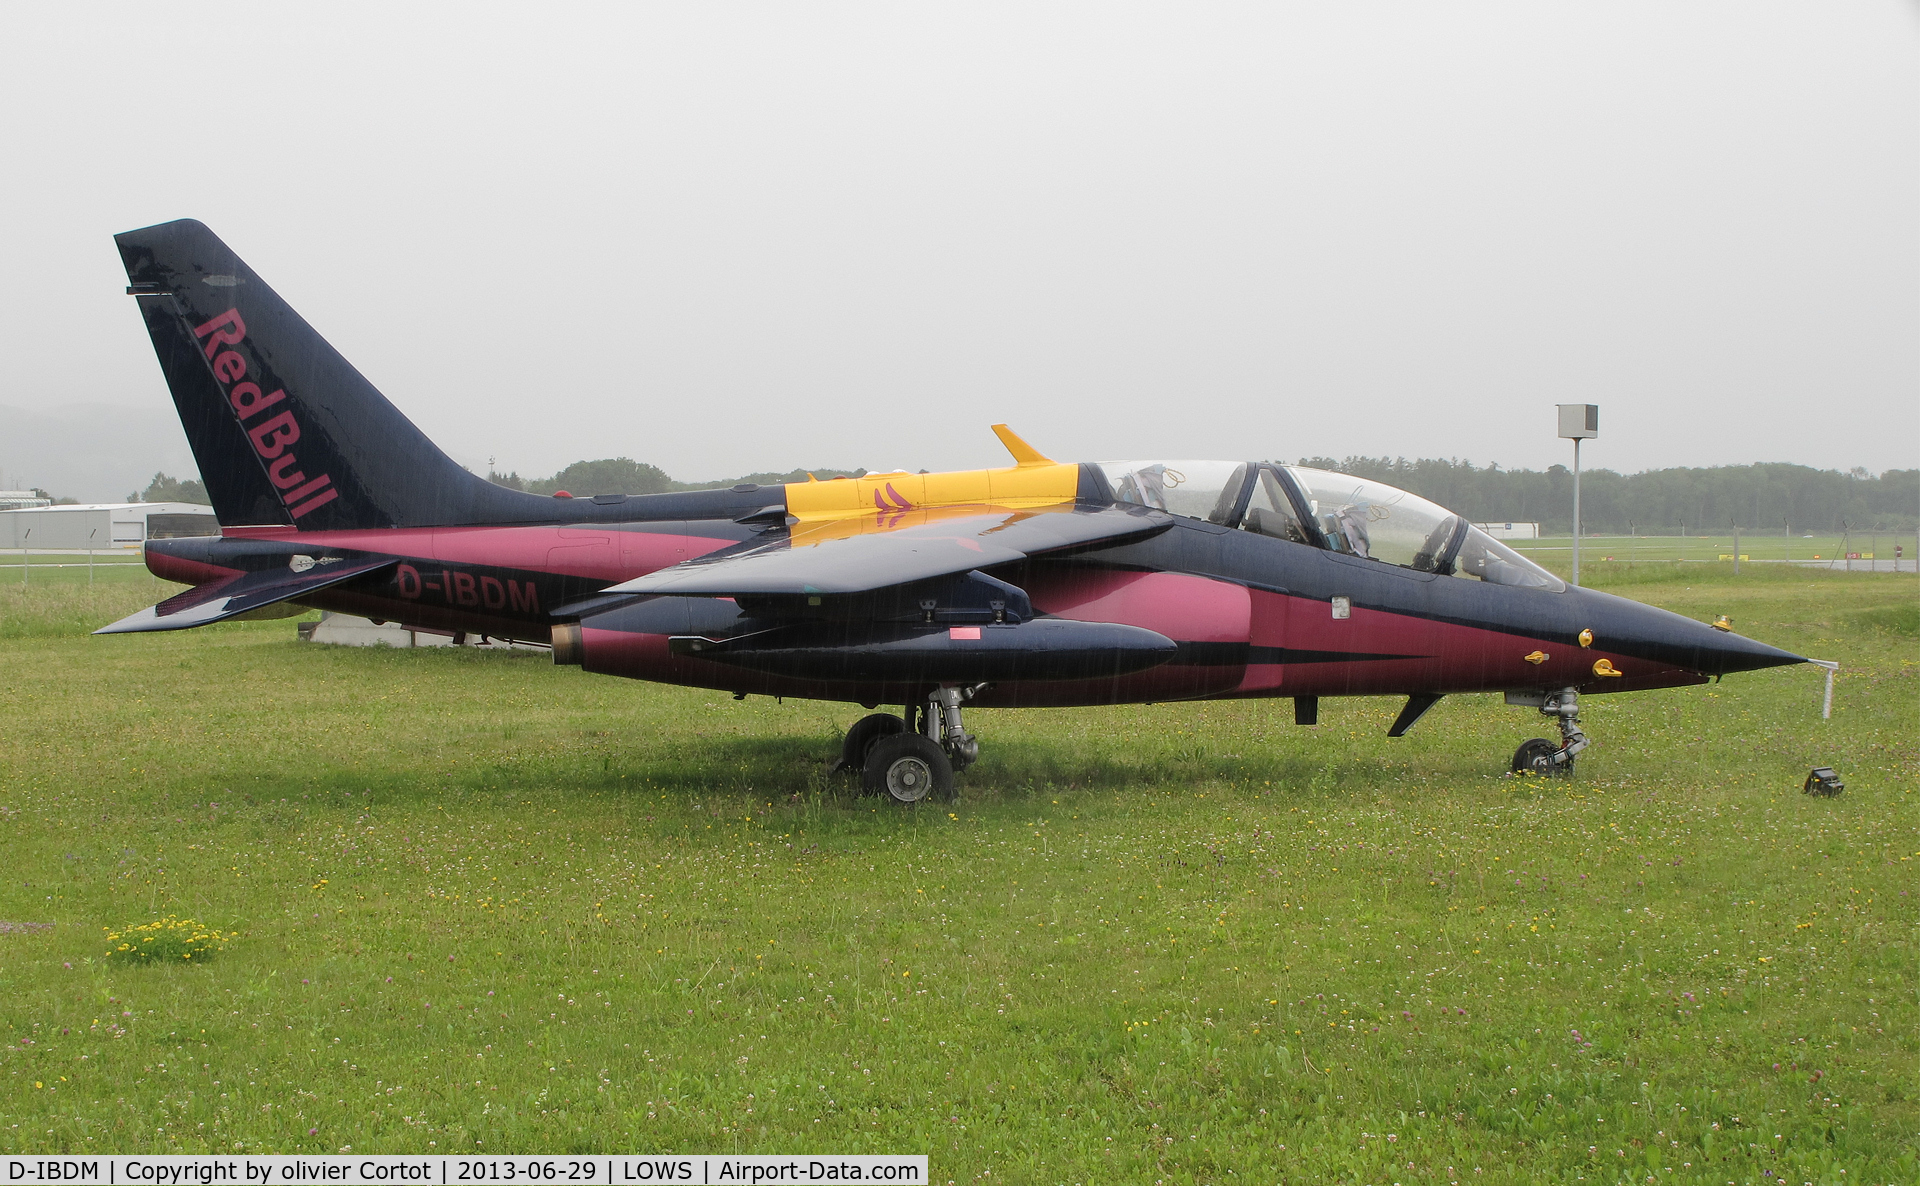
<point>723,238</point>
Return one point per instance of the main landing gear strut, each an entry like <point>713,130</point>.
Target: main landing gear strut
<point>913,757</point>
<point>1540,756</point>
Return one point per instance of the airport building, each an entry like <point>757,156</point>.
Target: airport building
<point>1511,530</point>
<point>102,526</point>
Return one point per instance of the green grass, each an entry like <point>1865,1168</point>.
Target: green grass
<point>64,601</point>
<point>1903,618</point>
<point>485,903</point>
<point>1557,551</point>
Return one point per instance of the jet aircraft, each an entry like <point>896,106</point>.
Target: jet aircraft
<point>1042,583</point>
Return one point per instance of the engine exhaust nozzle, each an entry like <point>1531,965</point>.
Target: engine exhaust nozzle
<point>567,650</point>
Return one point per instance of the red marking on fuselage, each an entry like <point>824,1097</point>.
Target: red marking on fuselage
<point>1183,607</point>
<point>187,572</point>
<point>473,601</point>
<point>525,548</point>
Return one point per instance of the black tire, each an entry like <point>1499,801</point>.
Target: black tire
<point>1535,756</point>
<point>908,768</point>
<point>860,739</point>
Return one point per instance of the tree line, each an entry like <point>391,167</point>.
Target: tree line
<point>624,475</point>
<point>1770,496</point>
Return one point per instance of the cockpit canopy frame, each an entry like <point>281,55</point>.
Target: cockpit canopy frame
<point>1332,511</point>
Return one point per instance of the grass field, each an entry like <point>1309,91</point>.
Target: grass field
<point>486,903</point>
<point>1601,549</point>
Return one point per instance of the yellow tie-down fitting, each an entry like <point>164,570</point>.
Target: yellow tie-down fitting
<point>1605,667</point>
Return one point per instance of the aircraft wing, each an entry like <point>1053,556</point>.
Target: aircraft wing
<point>230,597</point>
<point>870,552</point>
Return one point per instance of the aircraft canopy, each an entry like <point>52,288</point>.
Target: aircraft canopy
<point>1339,512</point>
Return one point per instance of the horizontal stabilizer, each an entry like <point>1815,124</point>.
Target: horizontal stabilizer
<point>229,597</point>
<point>836,559</point>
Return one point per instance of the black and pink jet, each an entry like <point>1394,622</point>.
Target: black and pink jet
<point>1038,584</point>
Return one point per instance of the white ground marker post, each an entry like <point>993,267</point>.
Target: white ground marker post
<point>1578,422</point>
<point>1826,706</point>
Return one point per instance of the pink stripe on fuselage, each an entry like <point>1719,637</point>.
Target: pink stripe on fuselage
<point>597,553</point>
<point>1183,607</point>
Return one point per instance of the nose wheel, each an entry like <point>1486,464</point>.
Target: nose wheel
<point>1535,756</point>
<point>1538,755</point>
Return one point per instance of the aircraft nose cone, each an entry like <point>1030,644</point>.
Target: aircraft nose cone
<point>1627,627</point>
<point>1722,653</point>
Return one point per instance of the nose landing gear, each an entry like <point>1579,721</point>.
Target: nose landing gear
<point>913,757</point>
<point>1540,756</point>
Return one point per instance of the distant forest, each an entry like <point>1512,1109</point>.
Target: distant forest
<point>623,475</point>
<point>1765,497</point>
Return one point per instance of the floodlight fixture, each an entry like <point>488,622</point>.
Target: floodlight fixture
<point>1578,422</point>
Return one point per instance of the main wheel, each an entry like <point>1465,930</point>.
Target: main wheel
<point>1535,756</point>
<point>860,739</point>
<point>907,768</point>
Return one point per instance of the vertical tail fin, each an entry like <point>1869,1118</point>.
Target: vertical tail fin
<point>285,430</point>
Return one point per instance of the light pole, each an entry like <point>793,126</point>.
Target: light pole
<point>1578,422</point>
